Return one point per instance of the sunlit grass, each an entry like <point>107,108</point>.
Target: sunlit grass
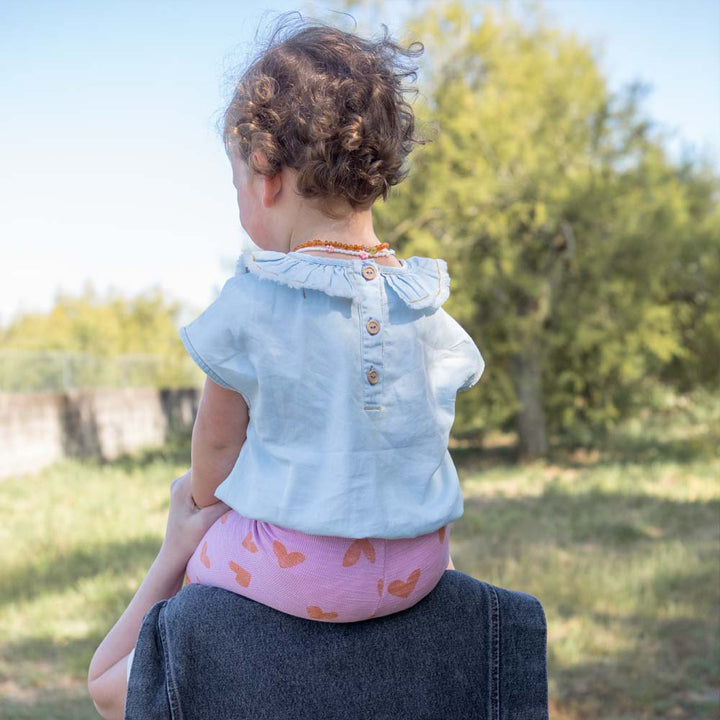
<point>621,547</point>
<point>625,557</point>
<point>77,540</point>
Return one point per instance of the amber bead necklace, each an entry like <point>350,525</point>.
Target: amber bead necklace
<point>362,251</point>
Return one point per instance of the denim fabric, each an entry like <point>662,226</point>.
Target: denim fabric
<point>350,370</point>
<point>469,650</point>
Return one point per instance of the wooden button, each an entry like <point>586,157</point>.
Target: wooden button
<point>369,272</point>
<point>373,376</point>
<point>373,327</point>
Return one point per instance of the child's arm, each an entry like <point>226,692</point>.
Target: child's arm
<point>218,435</point>
<point>107,675</point>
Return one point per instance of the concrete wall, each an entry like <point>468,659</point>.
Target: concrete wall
<point>39,429</point>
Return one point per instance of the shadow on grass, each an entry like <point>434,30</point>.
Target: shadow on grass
<point>67,657</point>
<point>486,456</point>
<point>605,519</point>
<point>620,447</point>
<point>59,573</point>
<point>175,451</point>
<point>669,670</point>
<point>666,667</point>
<point>49,705</point>
<point>641,450</point>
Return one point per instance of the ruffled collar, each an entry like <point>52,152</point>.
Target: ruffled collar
<point>420,282</point>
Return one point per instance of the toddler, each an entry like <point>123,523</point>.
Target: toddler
<point>332,369</point>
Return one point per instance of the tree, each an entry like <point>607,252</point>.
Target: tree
<point>93,331</point>
<point>514,107</point>
<point>559,215</point>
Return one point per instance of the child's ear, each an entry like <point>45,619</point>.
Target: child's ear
<point>271,189</point>
<point>271,184</point>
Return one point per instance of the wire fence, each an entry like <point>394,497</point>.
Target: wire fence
<point>25,372</point>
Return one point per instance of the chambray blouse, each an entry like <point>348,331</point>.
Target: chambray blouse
<point>350,370</point>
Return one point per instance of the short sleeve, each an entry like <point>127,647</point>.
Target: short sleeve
<point>458,364</point>
<point>471,363</point>
<point>217,339</point>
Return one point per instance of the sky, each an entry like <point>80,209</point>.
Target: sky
<point>111,169</point>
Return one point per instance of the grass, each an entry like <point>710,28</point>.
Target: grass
<point>77,540</point>
<point>621,547</point>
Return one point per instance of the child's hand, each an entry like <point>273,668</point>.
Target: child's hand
<point>187,523</point>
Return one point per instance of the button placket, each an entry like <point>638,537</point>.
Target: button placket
<point>371,310</point>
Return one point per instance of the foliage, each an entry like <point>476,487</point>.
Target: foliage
<point>572,240</point>
<point>692,282</point>
<point>91,341</point>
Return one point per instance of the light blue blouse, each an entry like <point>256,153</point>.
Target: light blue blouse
<point>350,370</point>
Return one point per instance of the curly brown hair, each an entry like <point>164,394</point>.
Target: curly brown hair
<point>330,105</point>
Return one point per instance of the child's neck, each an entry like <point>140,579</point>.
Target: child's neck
<point>356,229</point>
<point>292,220</point>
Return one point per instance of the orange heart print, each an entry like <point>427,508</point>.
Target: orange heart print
<point>242,576</point>
<point>359,547</point>
<point>204,559</point>
<point>248,544</point>
<point>284,558</point>
<point>402,588</point>
<point>316,613</point>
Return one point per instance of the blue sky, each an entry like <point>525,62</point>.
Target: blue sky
<point>110,167</point>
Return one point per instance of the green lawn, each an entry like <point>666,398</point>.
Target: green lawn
<point>622,548</point>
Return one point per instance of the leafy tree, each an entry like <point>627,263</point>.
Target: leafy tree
<point>98,341</point>
<point>567,231</point>
<point>692,282</point>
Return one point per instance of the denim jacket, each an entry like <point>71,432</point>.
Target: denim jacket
<point>350,370</point>
<point>467,651</point>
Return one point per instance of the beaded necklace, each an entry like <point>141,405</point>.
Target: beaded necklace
<point>362,251</point>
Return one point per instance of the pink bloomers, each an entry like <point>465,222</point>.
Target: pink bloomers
<point>319,577</point>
